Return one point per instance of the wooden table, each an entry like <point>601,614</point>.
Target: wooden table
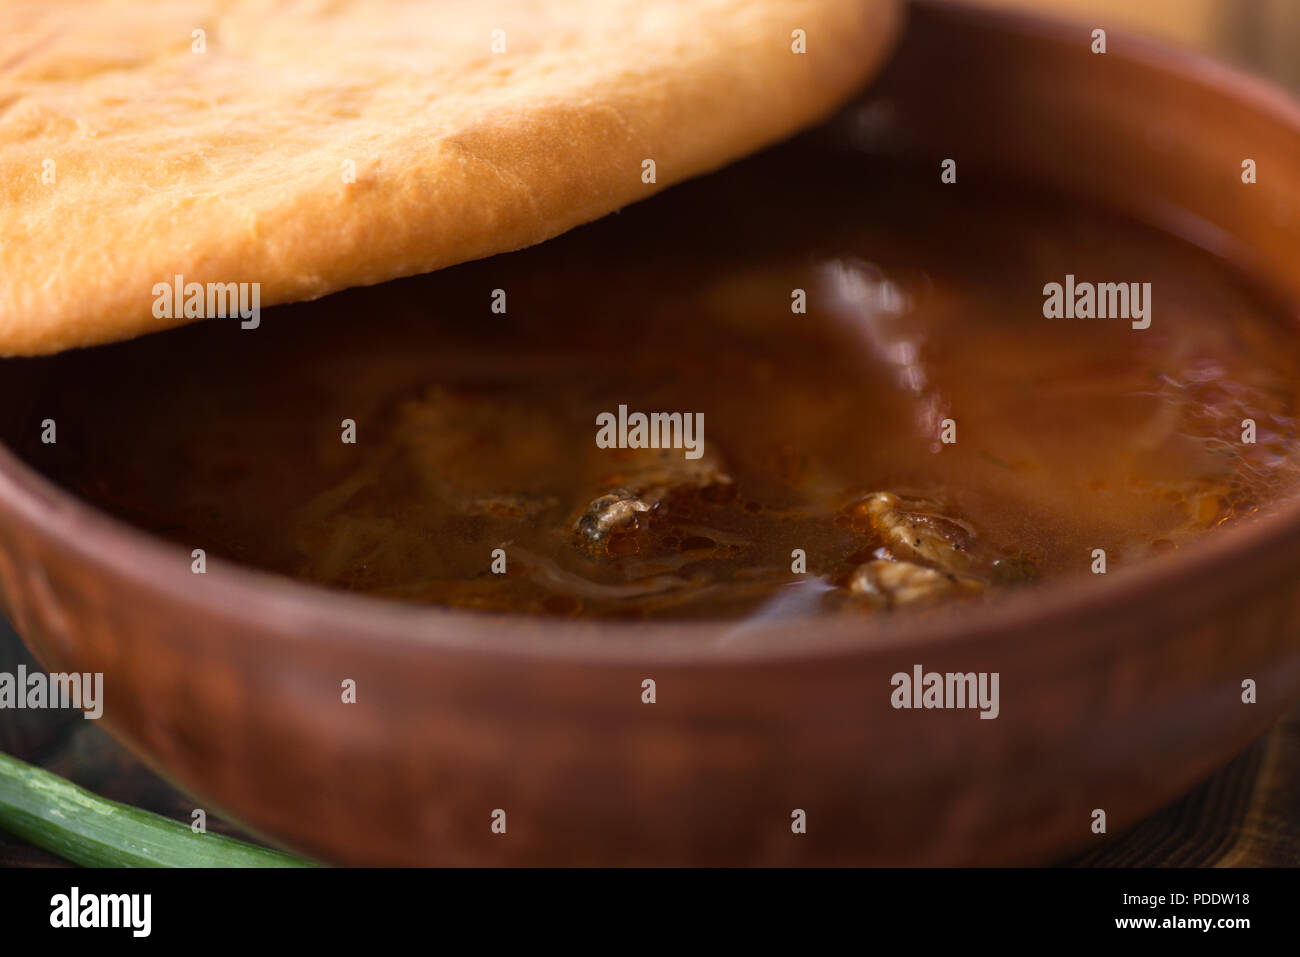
<point>1246,814</point>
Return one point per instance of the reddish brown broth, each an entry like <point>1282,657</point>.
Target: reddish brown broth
<point>476,431</point>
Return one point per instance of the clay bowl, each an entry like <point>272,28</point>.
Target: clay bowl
<point>1117,693</point>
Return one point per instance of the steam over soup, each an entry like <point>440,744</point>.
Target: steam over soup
<point>881,415</point>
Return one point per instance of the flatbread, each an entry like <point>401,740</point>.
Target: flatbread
<point>128,158</point>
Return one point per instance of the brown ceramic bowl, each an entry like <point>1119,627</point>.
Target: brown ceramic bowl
<point>1116,693</point>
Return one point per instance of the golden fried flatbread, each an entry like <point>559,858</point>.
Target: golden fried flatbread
<point>317,145</point>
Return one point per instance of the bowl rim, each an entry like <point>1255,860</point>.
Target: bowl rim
<point>300,611</point>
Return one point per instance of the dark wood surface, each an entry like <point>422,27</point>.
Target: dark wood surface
<point>1248,814</point>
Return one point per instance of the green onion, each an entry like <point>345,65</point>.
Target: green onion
<point>56,815</point>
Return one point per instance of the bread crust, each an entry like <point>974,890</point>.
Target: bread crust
<point>229,165</point>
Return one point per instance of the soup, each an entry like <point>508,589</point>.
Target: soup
<point>862,408</point>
